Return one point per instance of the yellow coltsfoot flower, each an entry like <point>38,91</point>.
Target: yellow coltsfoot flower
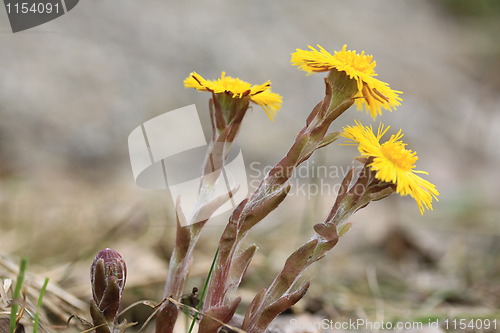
<point>372,95</point>
<point>393,163</point>
<point>238,89</point>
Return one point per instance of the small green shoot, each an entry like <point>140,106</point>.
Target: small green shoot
<point>203,292</point>
<point>17,295</point>
<point>39,305</point>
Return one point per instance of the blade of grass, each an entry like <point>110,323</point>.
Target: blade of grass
<point>203,292</point>
<point>17,294</point>
<point>39,305</point>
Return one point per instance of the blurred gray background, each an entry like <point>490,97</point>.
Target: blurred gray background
<point>72,90</point>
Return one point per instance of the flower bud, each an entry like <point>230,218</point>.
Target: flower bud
<point>107,275</point>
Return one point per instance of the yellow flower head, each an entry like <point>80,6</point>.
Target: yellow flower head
<point>393,163</point>
<point>236,88</point>
<point>373,94</point>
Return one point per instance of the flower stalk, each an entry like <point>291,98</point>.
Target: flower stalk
<point>273,189</point>
<point>280,295</point>
<point>229,103</point>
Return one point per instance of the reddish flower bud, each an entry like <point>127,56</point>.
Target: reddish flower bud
<point>107,275</point>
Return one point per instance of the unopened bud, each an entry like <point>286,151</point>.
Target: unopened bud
<point>107,275</point>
